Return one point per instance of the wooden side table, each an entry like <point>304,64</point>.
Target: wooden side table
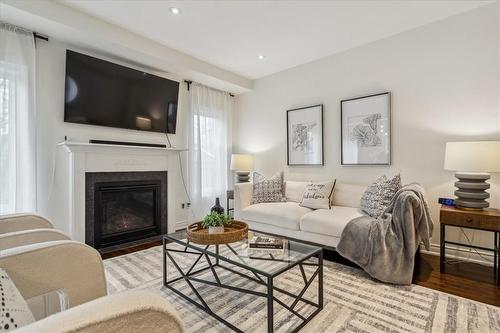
<point>486,220</point>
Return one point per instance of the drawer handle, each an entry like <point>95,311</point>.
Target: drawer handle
<point>469,220</point>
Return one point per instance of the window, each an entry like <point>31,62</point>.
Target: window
<point>17,121</point>
<point>209,144</point>
<point>6,178</point>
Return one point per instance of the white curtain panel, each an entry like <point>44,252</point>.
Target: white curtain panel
<point>17,120</point>
<point>209,147</point>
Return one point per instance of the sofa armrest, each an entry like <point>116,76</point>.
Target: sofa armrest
<point>128,312</point>
<point>41,268</point>
<point>19,222</point>
<point>27,237</point>
<point>242,197</point>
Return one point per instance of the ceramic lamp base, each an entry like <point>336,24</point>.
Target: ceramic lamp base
<point>471,190</point>
<point>242,176</point>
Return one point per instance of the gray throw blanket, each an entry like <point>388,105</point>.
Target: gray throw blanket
<point>385,247</point>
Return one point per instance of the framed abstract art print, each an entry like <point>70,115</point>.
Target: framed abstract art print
<point>305,135</point>
<point>366,130</point>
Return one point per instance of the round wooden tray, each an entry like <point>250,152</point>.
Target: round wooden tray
<point>234,232</point>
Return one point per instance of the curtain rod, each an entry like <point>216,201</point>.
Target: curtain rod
<point>14,27</point>
<point>36,35</point>
<point>188,83</point>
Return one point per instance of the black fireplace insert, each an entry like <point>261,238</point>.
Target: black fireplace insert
<point>126,211</point>
<point>125,207</point>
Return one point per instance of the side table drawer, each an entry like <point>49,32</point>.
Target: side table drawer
<point>464,220</point>
<point>491,223</point>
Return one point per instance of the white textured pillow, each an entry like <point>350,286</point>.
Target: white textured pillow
<point>294,191</point>
<point>14,312</point>
<point>318,195</point>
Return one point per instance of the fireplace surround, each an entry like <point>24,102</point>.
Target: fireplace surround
<point>124,207</point>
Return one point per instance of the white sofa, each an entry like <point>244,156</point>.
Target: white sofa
<point>289,219</point>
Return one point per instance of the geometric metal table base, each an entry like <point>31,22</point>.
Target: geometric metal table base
<point>266,280</point>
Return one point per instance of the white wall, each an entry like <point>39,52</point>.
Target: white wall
<point>444,82</point>
<point>51,128</point>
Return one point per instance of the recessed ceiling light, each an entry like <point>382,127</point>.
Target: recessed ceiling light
<point>261,57</point>
<point>175,10</point>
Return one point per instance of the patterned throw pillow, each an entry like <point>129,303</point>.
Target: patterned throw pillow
<point>14,312</point>
<point>317,195</point>
<point>379,195</point>
<point>268,189</point>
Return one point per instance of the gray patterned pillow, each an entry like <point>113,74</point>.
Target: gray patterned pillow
<point>268,189</point>
<point>379,195</point>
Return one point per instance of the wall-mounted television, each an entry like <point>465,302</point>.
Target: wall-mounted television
<point>103,93</point>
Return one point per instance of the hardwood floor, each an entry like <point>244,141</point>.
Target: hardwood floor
<point>468,280</point>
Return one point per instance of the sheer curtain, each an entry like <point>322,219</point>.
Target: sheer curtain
<point>17,120</point>
<point>209,147</point>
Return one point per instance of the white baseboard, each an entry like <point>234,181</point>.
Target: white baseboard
<point>180,225</point>
<point>462,253</point>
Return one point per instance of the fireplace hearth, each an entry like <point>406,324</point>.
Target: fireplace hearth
<point>124,207</point>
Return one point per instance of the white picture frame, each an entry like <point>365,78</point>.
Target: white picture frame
<point>366,130</point>
<point>305,135</point>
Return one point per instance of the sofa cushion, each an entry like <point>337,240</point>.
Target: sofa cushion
<point>318,195</point>
<point>268,189</point>
<point>14,312</point>
<point>348,195</point>
<point>281,214</point>
<point>294,190</point>
<point>329,221</point>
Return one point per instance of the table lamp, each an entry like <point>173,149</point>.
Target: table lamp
<point>472,163</point>
<point>242,164</point>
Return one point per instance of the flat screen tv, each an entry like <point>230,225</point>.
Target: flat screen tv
<point>102,93</point>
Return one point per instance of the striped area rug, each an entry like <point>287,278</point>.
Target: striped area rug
<point>353,301</point>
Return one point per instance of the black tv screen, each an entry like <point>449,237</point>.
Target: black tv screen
<point>102,93</point>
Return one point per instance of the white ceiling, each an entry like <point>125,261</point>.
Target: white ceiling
<point>231,34</point>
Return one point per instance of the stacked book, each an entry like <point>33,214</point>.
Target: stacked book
<point>266,244</point>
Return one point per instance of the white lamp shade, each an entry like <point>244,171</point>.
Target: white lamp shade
<point>477,156</point>
<point>242,162</point>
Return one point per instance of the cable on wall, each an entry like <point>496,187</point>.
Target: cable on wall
<point>487,261</point>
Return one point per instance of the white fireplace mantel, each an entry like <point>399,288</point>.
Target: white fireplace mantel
<point>72,146</point>
<point>81,157</point>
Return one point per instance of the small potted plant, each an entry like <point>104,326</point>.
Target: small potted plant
<point>215,222</point>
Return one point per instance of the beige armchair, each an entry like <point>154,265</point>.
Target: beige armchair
<point>40,268</point>
<point>20,222</point>
<point>77,269</point>
<point>129,312</point>
<point>25,229</point>
<point>27,237</point>
<point>41,260</point>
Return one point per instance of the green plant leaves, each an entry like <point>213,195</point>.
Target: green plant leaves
<point>214,219</point>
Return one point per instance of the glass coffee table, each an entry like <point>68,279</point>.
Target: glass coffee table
<point>261,267</point>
